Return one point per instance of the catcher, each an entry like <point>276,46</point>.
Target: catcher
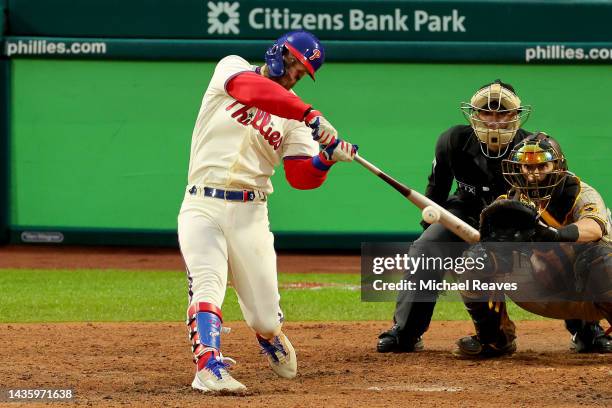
<point>548,204</point>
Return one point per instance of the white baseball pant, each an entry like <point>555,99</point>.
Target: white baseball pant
<point>218,236</point>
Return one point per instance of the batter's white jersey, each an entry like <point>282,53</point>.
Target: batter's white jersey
<point>235,146</point>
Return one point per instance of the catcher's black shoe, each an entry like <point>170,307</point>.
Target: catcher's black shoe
<point>393,341</point>
<point>591,339</point>
<point>470,346</point>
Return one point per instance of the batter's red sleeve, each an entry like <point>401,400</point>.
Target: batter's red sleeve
<point>302,174</point>
<point>255,90</point>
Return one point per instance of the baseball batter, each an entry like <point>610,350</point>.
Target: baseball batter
<point>249,122</point>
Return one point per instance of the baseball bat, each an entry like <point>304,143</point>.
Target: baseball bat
<point>453,223</point>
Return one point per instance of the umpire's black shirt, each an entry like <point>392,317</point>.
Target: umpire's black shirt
<point>479,178</point>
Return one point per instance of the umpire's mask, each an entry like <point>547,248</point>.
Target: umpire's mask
<point>495,113</point>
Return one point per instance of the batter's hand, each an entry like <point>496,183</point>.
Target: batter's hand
<point>322,131</point>
<point>340,150</point>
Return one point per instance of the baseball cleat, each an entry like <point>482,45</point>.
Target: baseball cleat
<point>280,354</point>
<point>470,346</point>
<point>215,376</point>
<point>595,342</point>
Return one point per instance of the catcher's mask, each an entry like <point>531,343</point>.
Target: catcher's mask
<point>535,167</point>
<point>495,113</point>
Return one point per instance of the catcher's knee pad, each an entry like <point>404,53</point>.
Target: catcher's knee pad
<point>204,322</point>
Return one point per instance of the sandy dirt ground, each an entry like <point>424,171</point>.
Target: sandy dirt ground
<point>149,364</point>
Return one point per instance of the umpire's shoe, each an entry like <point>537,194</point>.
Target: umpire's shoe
<point>591,339</point>
<point>394,341</point>
<point>470,346</point>
<point>280,354</point>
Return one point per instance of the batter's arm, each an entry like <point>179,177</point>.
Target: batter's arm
<point>255,90</point>
<point>305,173</point>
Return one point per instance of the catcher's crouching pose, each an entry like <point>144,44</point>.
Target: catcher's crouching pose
<point>549,205</point>
<point>249,122</point>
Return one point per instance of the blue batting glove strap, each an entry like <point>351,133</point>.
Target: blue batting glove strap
<point>315,134</point>
<point>315,123</point>
<point>328,152</point>
<point>318,164</point>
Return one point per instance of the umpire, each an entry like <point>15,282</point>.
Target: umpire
<point>471,155</point>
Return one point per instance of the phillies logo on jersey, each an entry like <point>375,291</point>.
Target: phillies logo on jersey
<point>259,121</point>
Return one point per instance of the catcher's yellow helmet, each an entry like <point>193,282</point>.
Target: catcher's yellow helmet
<point>535,167</point>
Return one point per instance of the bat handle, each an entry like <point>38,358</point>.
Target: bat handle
<point>367,164</point>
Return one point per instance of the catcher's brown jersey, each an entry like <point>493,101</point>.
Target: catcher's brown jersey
<point>575,201</point>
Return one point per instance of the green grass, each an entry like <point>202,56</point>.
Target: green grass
<point>146,296</point>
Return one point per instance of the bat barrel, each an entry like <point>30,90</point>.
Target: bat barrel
<point>453,223</point>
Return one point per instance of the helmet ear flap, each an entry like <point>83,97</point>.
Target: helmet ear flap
<point>274,60</point>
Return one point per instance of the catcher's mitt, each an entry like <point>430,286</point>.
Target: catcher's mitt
<point>508,221</point>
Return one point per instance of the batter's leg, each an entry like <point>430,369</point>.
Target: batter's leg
<point>252,262</point>
<point>204,250</point>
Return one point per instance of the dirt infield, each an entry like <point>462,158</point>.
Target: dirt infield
<point>30,256</point>
<point>148,364</point>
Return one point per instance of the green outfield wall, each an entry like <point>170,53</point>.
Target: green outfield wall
<point>98,99</point>
<point>4,151</point>
<point>4,132</point>
<point>100,145</point>
<point>2,17</point>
